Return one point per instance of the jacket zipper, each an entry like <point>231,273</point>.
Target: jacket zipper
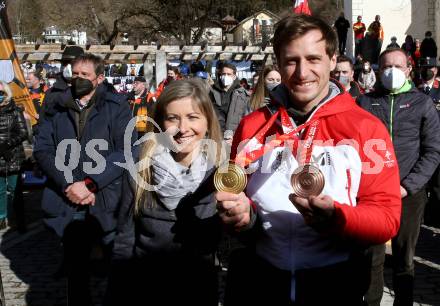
<point>391,117</point>
<point>349,186</point>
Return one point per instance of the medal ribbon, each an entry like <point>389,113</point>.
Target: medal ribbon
<point>254,149</point>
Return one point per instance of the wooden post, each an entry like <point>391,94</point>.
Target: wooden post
<point>161,66</point>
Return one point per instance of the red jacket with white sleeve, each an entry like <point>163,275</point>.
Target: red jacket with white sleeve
<point>353,150</point>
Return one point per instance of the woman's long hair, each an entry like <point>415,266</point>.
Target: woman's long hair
<point>261,92</point>
<point>196,90</point>
<point>7,90</point>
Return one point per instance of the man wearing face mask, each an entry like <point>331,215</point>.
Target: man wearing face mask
<point>430,85</point>
<point>413,124</point>
<point>81,209</point>
<point>173,74</point>
<point>231,101</point>
<point>63,79</point>
<point>344,74</point>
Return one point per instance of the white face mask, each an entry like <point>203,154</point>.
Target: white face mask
<point>51,82</point>
<point>344,80</point>
<point>129,87</point>
<point>117,87</point>
<point>393,78</point>
<point>271,86</point>
<point>67,72</point>
<point>226,80</point>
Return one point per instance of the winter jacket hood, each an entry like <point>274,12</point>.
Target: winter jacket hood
<point>327,107</point>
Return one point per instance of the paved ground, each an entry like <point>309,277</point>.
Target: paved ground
<point>29,261</point>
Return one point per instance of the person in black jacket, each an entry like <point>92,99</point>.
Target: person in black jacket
<point>342,25</point>
<point>81,201</point>
<point>431,87</point>
<point>168,227</point>
<point>12,133</point>
<point>413,124</point>
<point>428,48</point>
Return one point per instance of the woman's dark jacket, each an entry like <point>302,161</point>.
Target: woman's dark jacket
<point>192,228</point>
<point>12,134</point>
<point>170,252</point>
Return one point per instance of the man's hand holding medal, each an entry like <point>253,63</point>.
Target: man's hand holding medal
<point>307,180</point>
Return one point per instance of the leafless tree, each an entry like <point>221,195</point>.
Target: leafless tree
<point>150,20</point>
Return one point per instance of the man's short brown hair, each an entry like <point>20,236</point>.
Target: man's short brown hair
<point>293,27</point>
<point>343,59</point>
<point>97,61</point>
<point>393,49</point>
<point>229,66</point>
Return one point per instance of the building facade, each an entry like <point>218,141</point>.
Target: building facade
<point>256,29</point>
<point>398,17</point>
<point>53,35</point>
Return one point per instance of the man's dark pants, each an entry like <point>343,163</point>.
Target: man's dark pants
<point>253,281</point>
<point>342,43</point>
<point>403,247</point>
<point>357,46</point>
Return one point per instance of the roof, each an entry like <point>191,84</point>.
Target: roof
<point>267,12</point>
<point>229,19</point>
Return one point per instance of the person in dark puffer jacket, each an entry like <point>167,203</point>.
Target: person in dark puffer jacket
<point>413,124</point>
<point>167,237</point>
<point>12,133</point>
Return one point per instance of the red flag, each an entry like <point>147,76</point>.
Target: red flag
<point>10,71</point>
<point>302,7</point>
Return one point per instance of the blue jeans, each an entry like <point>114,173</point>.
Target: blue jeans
<point>7,190</point>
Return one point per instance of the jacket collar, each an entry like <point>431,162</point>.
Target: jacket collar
<point>60,83</point>
<point>407,87</point>
<point>8,107</point>
<point>337,100</point>
<point>103,95</point>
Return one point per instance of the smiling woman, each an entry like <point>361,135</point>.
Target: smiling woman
<point>174,230</point>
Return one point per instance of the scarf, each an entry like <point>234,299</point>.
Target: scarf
<point>173,180</point>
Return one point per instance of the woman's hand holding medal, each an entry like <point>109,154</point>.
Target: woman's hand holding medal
<point>232,204</point>
<point>233,209</point>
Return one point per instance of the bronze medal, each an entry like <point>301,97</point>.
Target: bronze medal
<point>307,181</point>
<point>233,181</point>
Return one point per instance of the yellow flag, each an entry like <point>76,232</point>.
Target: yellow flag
<point>10,71</point>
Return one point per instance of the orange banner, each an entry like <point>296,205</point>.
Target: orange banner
<point>10,71</point>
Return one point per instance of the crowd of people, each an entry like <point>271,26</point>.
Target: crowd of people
<point>149,198</point>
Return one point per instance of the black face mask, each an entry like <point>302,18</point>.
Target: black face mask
<point>81,87</point>
<point>426,74</point>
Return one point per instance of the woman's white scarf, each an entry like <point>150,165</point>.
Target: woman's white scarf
<point>174,181</point>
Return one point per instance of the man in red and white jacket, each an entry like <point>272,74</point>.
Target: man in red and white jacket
<point>310,251</point>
